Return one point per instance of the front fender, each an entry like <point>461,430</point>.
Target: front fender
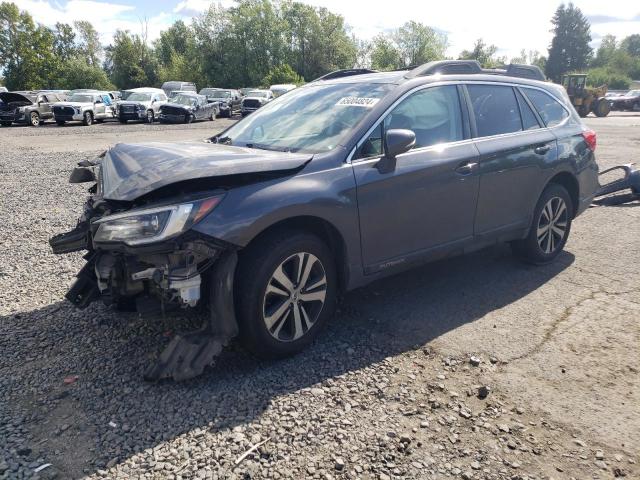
<point>326,194</point>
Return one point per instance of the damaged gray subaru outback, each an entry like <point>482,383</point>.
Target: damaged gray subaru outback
<point>354,176</point>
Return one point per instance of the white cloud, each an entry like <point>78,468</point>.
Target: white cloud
<point>511,25</point>
<point>106,17</point>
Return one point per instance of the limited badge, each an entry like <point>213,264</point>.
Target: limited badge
<point>357,102</point>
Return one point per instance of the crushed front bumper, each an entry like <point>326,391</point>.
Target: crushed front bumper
<point>185,272</point>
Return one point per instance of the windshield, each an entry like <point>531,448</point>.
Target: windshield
<point>312,119</point>
<point>633,93</point>
<point>184,100</point>
<point>257,93</point>
<point>139,97</point>
<point>81,98</point>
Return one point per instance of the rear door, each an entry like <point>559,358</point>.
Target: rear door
<point>514,149</point>
<point>428,199</point>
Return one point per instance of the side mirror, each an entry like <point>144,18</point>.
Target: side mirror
<point>396,142</point>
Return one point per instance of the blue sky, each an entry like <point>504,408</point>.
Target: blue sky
<point>509,24</point>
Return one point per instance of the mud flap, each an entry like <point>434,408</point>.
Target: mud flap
<point>188,354</point>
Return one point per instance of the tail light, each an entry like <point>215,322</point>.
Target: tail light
<point>590,138</point>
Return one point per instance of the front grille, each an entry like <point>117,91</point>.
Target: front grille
<point>128,108</point>
<point>173,111</point>
<point>250,103</point>
<point>66,111</point>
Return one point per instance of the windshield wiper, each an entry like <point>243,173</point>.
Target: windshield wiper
<point>267,147</point>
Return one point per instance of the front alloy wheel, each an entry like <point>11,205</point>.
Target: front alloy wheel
<point>285,292</point>
<point>34,119</point>
<point>294,297</point>
<point>552,225</point>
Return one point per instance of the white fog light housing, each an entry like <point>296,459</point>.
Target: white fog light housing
<point>139,227</point>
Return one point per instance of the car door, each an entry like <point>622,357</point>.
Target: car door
<point>514,149</point>
<point>428,199</point>
<point>99,107</point>
<point>44,106</point>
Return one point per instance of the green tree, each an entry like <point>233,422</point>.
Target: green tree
<point>384,53</point>
<point>77,73</point>
<point>569,50</point>
<point>64,43</point>
<point>89,45</point>
<point>418,44</point>
<point>129,62</point>
<point>282,74</point>
<point>631,45</point>
<point>605,76</point>
<point>484,54</point>
<point>27,58</point>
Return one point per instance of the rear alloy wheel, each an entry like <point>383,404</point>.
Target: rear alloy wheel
<point>150,116</point>
<point>285,292</point>
<point>550,228</point>
<point>34,119</point>
<point>87,118</point>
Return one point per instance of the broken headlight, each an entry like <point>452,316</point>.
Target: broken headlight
<point>137,227</point>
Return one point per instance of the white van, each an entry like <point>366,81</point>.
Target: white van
<point>169,87</point>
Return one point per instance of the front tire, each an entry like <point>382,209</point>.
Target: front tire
<point>34,119</point>
<point>550,228</point>
<point>188,118</point>
<point>286,290</point>
<point>6,124</point>
<point>150,116</point>
<point>602,108</point>
<point>60,123</point>
<point>87,118</point>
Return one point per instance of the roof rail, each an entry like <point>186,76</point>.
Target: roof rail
<point>472,67</point>
<point>345,73</point>
<point>446,67</point>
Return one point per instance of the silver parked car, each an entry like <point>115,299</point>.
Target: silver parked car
<point>85,107</point>
<point>141,104</point>
<point>254,100</point>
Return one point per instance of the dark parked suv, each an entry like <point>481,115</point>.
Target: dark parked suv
<point>347,179</point>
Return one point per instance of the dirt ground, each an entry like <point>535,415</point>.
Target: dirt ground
<point>558,346</point>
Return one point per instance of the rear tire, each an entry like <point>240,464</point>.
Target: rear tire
<point>285,292</point>
<point>583,111</point>
<point>550,227</point>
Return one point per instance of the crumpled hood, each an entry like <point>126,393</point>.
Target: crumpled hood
<point>131,170</point>
<point>9,97</point>
<point>178,105</point>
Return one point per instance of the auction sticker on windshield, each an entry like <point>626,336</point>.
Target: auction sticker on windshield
<point>358,102</point>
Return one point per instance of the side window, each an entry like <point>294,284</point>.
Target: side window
<point>433,114</point>
<point>529,120</point>
<point>550,110</point>
<point>495,108</point>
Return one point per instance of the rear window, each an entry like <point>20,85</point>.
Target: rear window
<point>495,108</point>
<point>550,110</point>
<point>529,120</point>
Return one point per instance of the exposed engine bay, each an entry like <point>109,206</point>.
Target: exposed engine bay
<point>141,252</point>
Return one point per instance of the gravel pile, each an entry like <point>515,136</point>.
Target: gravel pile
<point>361,403</point>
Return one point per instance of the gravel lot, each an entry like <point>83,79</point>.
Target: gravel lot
<point>475,368</point>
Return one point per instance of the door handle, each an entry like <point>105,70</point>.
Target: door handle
<point>542,149</point>
<point>466,168</point>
